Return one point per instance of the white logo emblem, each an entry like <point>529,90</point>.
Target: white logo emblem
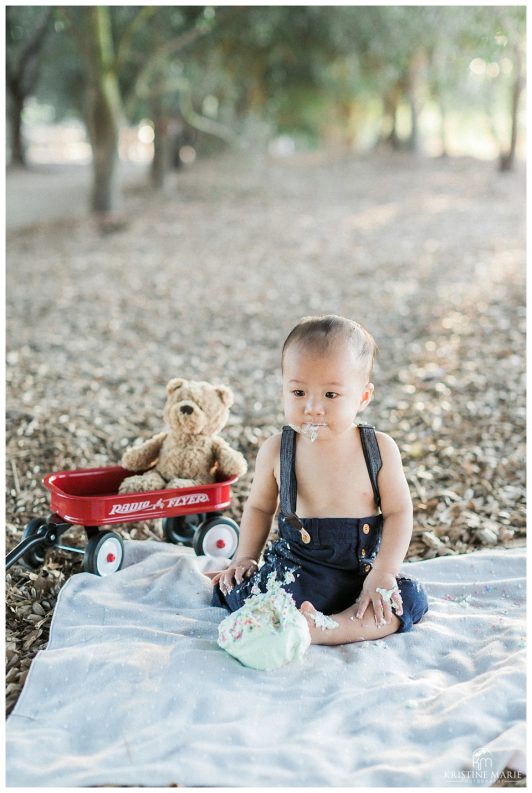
<point>126,509</point>
<point>162,503</point>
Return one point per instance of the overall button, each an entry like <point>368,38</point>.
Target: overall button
<point>363,552</point>
<point>305,536</point>
<point>365,528</point>
<point>367,568</point>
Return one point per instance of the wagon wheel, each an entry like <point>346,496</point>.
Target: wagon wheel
<point>35,557</point>
<point>182,528</point>
<point>104,553</point>
<point>217,537</point>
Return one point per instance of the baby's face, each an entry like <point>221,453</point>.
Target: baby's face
<point>326,390</point>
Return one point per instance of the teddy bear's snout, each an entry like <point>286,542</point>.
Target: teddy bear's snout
<point>186,416</point>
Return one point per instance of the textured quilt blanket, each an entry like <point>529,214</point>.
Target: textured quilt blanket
<point>134,690</point>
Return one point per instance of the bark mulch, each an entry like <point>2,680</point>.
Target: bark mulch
<point>206,279</point>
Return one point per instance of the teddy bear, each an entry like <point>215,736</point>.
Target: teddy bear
<point>190,452</point>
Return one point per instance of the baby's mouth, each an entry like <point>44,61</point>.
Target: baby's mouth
<point>310,429</point>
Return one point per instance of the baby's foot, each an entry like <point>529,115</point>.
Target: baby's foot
<point>318,623</point>
<point>307,609</point>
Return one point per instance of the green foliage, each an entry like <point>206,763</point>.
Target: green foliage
<point>290,66</point>
<point>61,83</point>
<point>26,30</point>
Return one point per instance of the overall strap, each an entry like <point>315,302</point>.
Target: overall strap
<point>287,475</point>
<point>372,456</point>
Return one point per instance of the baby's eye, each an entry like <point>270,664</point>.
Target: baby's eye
<point>331,395</point>
<point>297,392</point>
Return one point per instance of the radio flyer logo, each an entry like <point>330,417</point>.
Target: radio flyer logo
<point>186,500</point>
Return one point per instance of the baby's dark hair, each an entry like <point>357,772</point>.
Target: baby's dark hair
<point>320,333</point>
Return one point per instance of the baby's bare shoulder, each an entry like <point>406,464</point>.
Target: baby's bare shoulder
<point>388,448</point>
<point>271,445</point>
<point>264,488</point>
<point>269,455</point>
<point>269,451</point>
<point>393,485</point>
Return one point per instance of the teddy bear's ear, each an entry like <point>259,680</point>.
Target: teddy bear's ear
<point>174,384</point>
<point>225,394</point>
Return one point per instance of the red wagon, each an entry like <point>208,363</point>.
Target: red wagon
<point>89,497</point>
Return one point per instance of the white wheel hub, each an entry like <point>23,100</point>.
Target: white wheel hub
<point>109,556</point>
<point>221,540</point>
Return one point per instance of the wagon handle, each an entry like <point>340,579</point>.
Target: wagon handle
<point>46,535</point>
<point>14,555</point>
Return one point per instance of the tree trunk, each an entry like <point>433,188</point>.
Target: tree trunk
<point>103,109</point>
<point>21,78</point>
<point>390,114</point>
<point>161,151</point>
<point>160,154</point>
<point>443,131</point>
<point>413,138</point>
<point>160,163</point>
<point>18,152</point>
<point>413,89</point>
<point>507,159</point>
<point>105,194</point>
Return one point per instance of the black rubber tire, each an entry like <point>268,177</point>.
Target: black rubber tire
<point>36,556</point>
<point>205,539</point>
<point>181,529</point>
<point>99,548</point>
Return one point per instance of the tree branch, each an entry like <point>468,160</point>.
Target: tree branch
<point>201,123</point>
<point>125,40</point>
<point>80,39</point>
<point>179,43</point>
<point>16,74</point>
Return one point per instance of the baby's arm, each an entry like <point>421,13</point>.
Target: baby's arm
<point>256,517</point>
<point>396,505</point>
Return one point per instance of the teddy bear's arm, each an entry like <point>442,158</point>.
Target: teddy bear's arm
<point>139,458</point>
<point>229,460</point>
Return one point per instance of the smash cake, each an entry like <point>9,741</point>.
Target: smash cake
<point>268,631</point>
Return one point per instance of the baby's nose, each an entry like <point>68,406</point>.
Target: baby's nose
<point>314,408</point>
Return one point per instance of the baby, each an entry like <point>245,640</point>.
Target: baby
<point>323,467</point>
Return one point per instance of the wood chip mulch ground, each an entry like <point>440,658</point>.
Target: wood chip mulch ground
<point>206,279</point>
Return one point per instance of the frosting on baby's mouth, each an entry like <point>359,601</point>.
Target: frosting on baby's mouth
<point>308,429</point>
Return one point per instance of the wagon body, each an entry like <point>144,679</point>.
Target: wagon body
<point>89,497</point>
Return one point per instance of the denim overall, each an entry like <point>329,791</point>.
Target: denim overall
<point>328,558</point>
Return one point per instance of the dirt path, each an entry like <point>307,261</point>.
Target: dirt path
<point>205,282</point>
<point>50,193</point>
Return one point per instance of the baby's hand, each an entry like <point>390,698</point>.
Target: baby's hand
<point>382,601</point>
<point>241,568</point>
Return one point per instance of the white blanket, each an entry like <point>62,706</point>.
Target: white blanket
<point>133,689</point>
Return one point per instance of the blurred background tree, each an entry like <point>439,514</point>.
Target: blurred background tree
<point>27,29</point>
<point>196,79</point>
